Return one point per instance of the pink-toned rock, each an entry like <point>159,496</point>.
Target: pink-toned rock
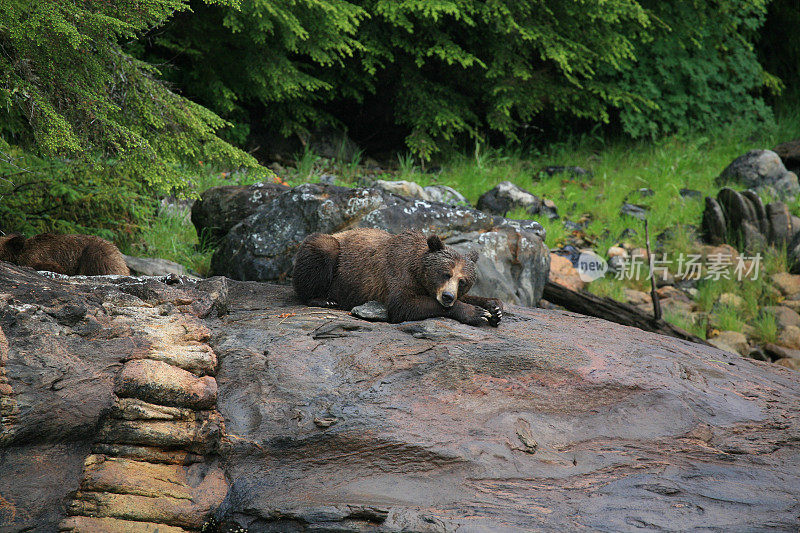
<point>160,383</point>
<point>551,421</point>
<point>789,337</point>
<point>563,273</point>
<point>788,284</point>
<point>784,316</point>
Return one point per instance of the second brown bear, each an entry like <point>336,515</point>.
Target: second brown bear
<point>72,255</point>
<point>416,277</point>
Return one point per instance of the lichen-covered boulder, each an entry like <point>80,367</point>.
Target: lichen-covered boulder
<point>506,196</point>
<point>514,260</point>
<point>221,208</point>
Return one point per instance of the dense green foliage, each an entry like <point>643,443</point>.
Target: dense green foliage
<point>69,91</point>
<point>444,70</point>
<point>698,67</point>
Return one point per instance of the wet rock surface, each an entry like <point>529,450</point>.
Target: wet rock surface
<point>325,422</point>
<point>513,258</point>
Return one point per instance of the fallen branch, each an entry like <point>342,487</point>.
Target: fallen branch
<point>591,305</point>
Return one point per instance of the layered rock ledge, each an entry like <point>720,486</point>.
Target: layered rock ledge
<point>166,404</point>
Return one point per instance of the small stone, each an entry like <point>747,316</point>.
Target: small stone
<point>731,341</point>
<point>633,210</point>
<point>616,251</point>
<point>677,306</point>
<point>789,337</point>
<point>372,311</point>
<point>325,422</point>
<point>563,273</point>
<point>690,193</point>
<point>640,253</point>
<point>637,298</point>
<point>784,316</point>
<point>724,253</point>
<point>670,291</point>
<point>731,300</point>
<point>575,171</point>
<point>788,284</point>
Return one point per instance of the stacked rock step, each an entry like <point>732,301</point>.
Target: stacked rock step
<point>152,466</point>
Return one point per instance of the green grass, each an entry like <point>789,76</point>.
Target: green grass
<point>696,328</point>
<point>171,237</point>
<point>766,327</point>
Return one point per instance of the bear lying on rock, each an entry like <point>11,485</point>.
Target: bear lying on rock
<point>414,276</point>
<point>72,255</point>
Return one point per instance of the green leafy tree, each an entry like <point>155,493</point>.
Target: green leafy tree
<point>69,90</point>
<point>697,68</point>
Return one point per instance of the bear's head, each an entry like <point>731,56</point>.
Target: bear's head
<point>447,274</point>
<point>11,246</point>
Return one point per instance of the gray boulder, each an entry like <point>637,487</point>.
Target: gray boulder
<point>506,196</point>
<point>742,219</point>
<point>514,263</point>
<point>221,208</point>
<point>762,170</point>
<point>154,266</point>
<point>431,193</point>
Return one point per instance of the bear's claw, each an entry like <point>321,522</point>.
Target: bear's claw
<point>491,318</point>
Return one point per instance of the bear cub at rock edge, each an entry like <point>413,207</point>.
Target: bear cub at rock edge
<point>414,276</point>
<point>73,255</point>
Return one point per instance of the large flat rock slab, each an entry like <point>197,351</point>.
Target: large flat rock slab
<point>325,422</point>
<point>552,421</point>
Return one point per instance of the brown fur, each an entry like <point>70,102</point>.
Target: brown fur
<point>416,277</point>
<point>72,255</point>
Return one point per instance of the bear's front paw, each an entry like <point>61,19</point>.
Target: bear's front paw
<point>495,308</point>
<point>477,316</point>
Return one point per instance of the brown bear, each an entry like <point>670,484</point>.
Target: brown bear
<point>414,276</point>
<point>72,255</point>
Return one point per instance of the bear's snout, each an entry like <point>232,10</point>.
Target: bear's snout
<point>447,299</point>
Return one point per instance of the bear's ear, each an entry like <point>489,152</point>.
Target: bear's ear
<point>435,243</point>
<point>473,256</point>
<point>14,243</point>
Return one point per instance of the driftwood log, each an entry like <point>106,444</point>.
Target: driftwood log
<point>589,304</point>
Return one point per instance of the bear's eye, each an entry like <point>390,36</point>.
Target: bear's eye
<point>446,276</point>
